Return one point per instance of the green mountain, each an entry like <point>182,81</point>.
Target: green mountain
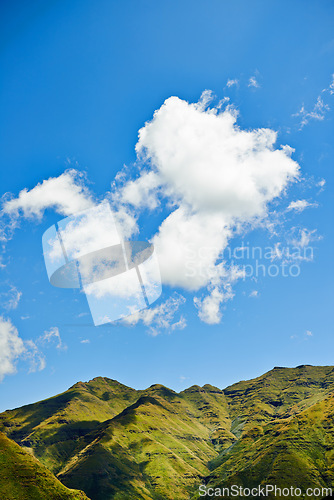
<point>114,442</point>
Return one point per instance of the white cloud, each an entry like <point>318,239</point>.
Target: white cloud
<point>52,335</point>
<point>220,291</point>
<point>215,177</point>
<point>207,163</point>
<point>300,205</point>
<point>143,191</point>
<point>252,82</point>
<point>161,316</point>
<point>34,356</point>
<point>66,194</point>
<point>331,86</point>
<point>230,83</point>
<point>304,237</point>
<point>254,294</point>
<point>10,299</point>
<point>209,306</point>
<point>81,315</point>
<point>11,347</point>
<point>309,333</point>
<point>318,112</point>
<point>85,341</point>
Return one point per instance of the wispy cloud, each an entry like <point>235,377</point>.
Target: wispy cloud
<point>300,205</point>
<point>317,113</point>
<point>231,83</point>
<point>304,237</point>
<point>34,356</point>
<point>330,88</point>
<point>10,298</point>
<point>52,336</point>
<point>252,82</point>
<point>160,317</point>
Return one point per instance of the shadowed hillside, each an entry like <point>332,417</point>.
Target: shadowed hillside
<point>22,477</point>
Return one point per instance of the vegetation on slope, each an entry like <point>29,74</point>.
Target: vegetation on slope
<point>24,478</point>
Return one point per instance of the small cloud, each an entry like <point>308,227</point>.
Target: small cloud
<point>300,205</point>
<point>11,298</point>
<point>254,294</point>
<point>309,333</point>
<point>160,317</point>
<point>321,184</point>
<point>52,335</point>
<point>252,82</point>
<point>230,83</point>
<point>179,325</point>
<point>318,113</point>
<point>85,341</point>
<point>35,358</point>
<point>304,237</point>
<point>25,317</point>
<point>81,315</point>
<point>276,252</point>
<point>331,86</point>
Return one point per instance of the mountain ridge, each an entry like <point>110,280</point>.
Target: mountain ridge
<point>116,442</point>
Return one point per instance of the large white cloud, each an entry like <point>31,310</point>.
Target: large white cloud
<point>216,177</point>
<point>206,161</point>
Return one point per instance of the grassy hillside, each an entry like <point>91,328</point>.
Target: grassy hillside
<point>293,451</point>
<point>114,442</point>
<point>51,427</point>
<point>156,442</point>
<point>22,477</point>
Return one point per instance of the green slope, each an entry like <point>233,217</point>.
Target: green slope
<point>51,427</point>
<point>22,477</point>
<point>293,451</point>
<point>156,442</point>
<point>279,392</point>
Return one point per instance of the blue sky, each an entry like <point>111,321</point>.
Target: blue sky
<point>79,80</point>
